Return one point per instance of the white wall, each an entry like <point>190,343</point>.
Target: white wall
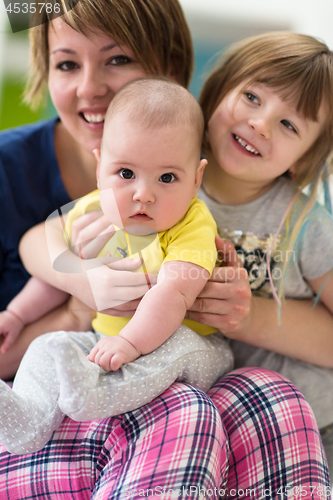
<point>3,25</point>
<point>313,17</point>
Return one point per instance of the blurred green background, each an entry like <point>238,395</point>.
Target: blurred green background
<point>13,111</point>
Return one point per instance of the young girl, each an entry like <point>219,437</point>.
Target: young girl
<point>268,111</point>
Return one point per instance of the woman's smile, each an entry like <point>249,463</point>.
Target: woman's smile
<point>93,117</point>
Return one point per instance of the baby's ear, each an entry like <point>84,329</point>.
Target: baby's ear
<point>97,154</point>
<point>199,174</point>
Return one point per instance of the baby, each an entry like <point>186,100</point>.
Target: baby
<point>149,171</point>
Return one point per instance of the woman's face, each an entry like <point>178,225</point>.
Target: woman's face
<point>84,75</point>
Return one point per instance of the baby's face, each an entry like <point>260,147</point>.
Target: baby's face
<point>152,174</point>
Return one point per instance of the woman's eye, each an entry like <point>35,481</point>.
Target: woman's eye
<point>288,125</point>
<point>66,65</point>
<point>251,97</point>
<point>126,173</point>
<point>167,178</point>
<point>120,60</point>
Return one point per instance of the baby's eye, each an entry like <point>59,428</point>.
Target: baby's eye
<point>251,97</point>
<point>67,66</point>
<point>167,178</point>
<point>120,60</point>
<point>126,173</point>
<point>288,125</point>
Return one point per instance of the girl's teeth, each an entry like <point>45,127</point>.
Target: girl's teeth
<point>94,118</point>
<point>246,146</point>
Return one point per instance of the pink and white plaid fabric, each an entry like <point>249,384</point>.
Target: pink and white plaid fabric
<point>275,446</point>
<point>178,444</point>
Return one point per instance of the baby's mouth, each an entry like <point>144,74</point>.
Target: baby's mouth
<point>141,216</point>
<point>93,118</point>
<point>246,146</point>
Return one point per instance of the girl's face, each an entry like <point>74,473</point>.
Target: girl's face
<point>256,136</point>
<point>84,76</point>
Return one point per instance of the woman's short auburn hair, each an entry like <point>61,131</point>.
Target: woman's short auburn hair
<point>155,30</point>
<point>300,69</point>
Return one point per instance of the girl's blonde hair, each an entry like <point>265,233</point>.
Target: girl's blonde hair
<point>155,30</point>
<point>300,69</point>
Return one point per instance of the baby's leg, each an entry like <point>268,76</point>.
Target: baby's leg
<point>76,375</point>
<point>185,356</point>
<point>29,413</point>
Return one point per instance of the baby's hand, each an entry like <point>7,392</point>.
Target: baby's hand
<point>111,352</point>
<point>10,328</point>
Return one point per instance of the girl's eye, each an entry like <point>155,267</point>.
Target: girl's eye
<point>126,173</point>
<point>120,60</point>
<point>289,126</point>
<point>167,178</point>
<point>251,97</point>
<point>66,65</point>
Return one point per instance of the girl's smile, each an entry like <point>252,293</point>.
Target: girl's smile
<point>245,146</point>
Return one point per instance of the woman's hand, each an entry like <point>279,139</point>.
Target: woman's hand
<point>224,302</point>
<point>45,255</point>
<point>90,233</point>
<point>115,288</point>
<point>124,288</point>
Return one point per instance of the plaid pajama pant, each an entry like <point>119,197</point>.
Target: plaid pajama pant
<point>258,440</point>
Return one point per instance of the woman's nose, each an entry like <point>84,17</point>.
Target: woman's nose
<point>92,84</point>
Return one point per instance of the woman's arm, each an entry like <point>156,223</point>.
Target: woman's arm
<point>116,283</point>
<point>305,332</point>
<point>34,252</point>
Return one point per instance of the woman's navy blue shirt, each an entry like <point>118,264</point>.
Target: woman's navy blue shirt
<point>31,188</point>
